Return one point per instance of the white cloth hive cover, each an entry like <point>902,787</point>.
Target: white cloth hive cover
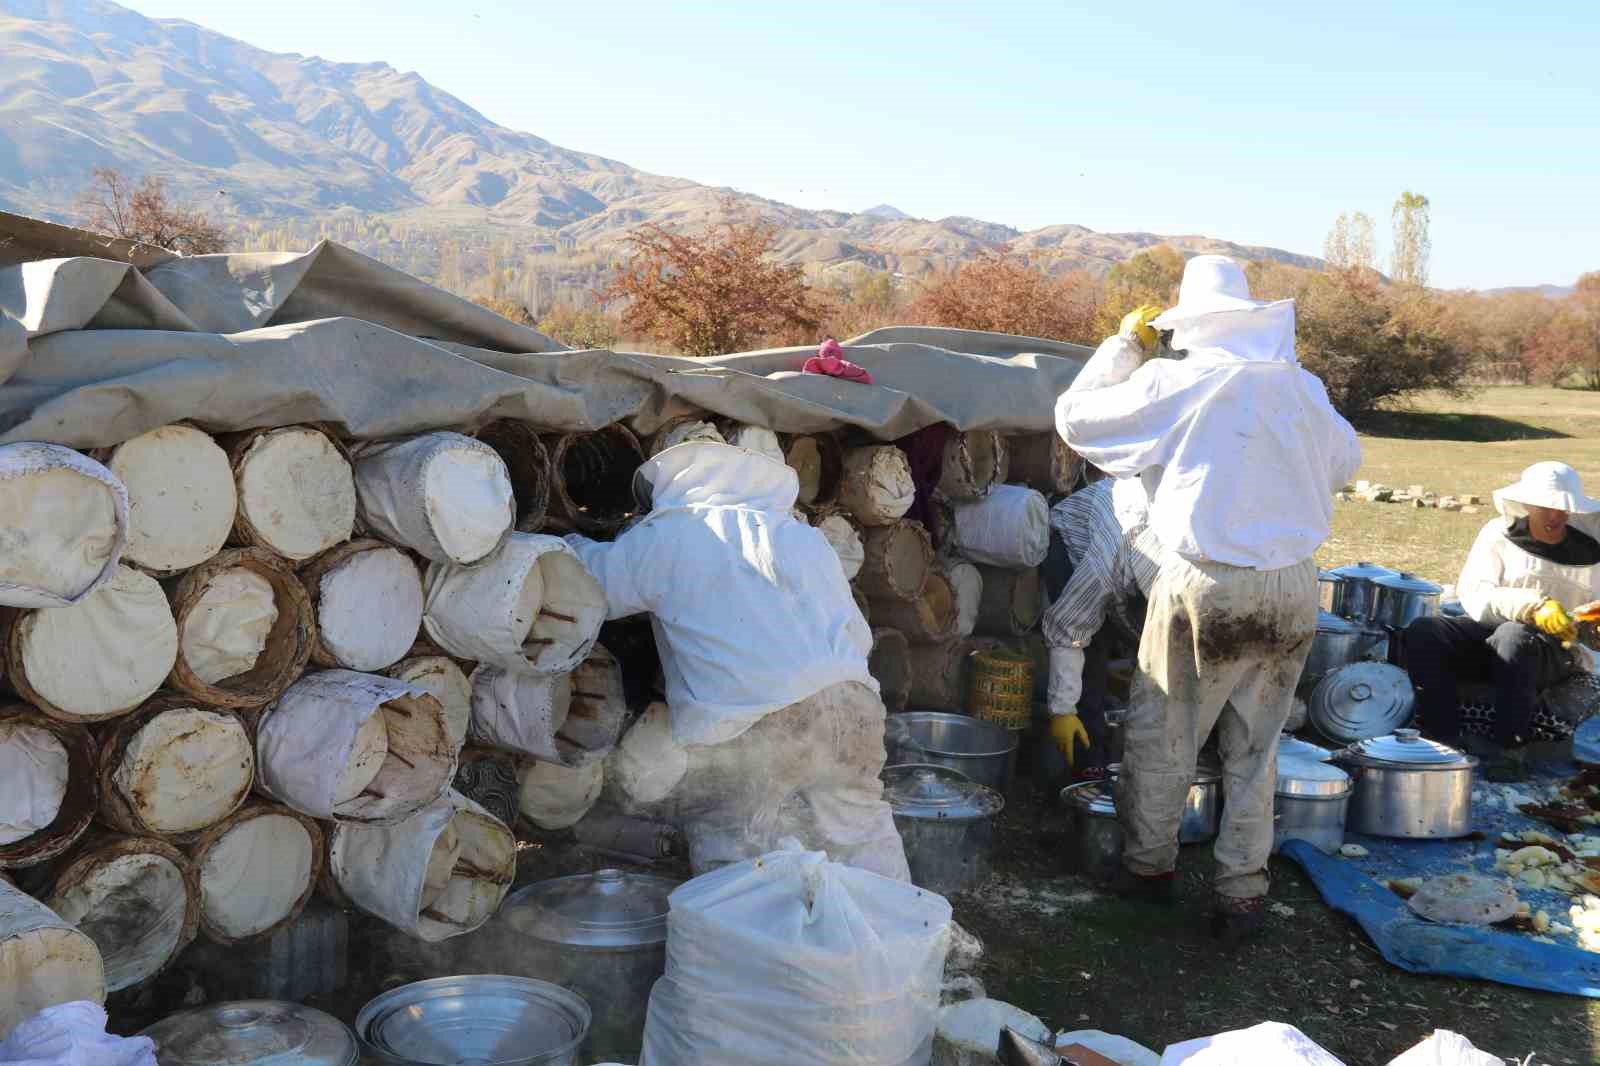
<point>439,676</point>
<point>181,497</point>
<point>370,748</point>
<point>520,713</point>
<point>647,764</point>
<point>63,525</point>
<point>1465,899</point>
<point>226,631</point>
<point>758,439</point>
<point>969,1032</point>
<point>43,960</point>
<point>186,768</point>
<point>689,429</point>
<point>553,796</point>
<point>254,874</point>
<point>967,583</point>
<point>845,542</point>
<point>297,491</point>
<point>444,495</point>
<point>133,908</point>
<point>33,779</point>
<point>73,1034</point>
<point>369,608</point>
<point>877,487</point>
<point>107,653</point>
<point>1010,527</point>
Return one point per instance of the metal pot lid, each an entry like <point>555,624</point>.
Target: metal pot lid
<point>1329,576</point>
<point>1207,770</point>
<point>1360,700</point>
<point>253,1032</point>
<point>605,909</point>
<point>1407,582</point>
<point>1362,571</point>
<point>1328,622</point>
<point>1292,747</point>
<point>476,1018</point>
<point>1091,796</point>
<point>1310,778</point>
<point>1408,747</point>
<point>925,790</point>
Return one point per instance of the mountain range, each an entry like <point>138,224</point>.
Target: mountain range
<point>260,137</point>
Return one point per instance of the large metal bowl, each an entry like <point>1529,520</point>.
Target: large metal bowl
<point>484,1019</point>
<point>983,751</point>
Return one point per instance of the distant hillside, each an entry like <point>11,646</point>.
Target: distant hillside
<point>1553,292</point>
<point>268,140</point>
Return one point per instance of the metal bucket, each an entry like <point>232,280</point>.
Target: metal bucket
<point>983,751</point>
<point>481,1018</point>
<point>946,823</point>
<point>1095,847</point>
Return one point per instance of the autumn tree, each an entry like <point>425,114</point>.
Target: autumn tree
<point>705,295</point>
<point>1351,244</point>
<point>1570,343</point>
<point>1007,294</point>
<point>580,326</point>
<point>1151,277</point>
<point>114,205</point>
<point>1412,246</point>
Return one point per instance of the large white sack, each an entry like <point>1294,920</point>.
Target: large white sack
<point>297,494</point>
<point>555,796</point>
<point>44,960</point>
<point>1269,1042</point>
<point>443,495</point>
<point>1444,1048</point>
<point>63,525</point>
<point>181,497</point>
<point>33,779</point>
<point>440,677</point>
<point>791,960</point>
<point>73,1034</point>
<point>1010,527</point>
<point>530,607</point>
<point>386,871</point>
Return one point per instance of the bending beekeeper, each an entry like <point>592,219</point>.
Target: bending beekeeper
<point>1241,452</point>
<point>764,652</point>
<point>1529,572</point>
<point>1110,558</point>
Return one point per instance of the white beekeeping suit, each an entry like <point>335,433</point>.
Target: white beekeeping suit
<point>1241,453</point>
<point>764,652</point>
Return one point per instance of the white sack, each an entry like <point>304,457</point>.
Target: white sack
<point>297,491</point>
<point>530,607</point>
<point>63,525</point>
<point>966,581</point>
<point>443,495</point>
<point>135,907</point>
<point>441,678</point>
<point>520,713</point>
<point>308,740</point>
<point>734,994</point>
<point>74,1034</point>
<point>369,608</point>
<point>1010,527</point>
<point>1269,1042</point>
<point>554,796</point>
<point>33,779</point>
<point>226,630</point>
<point>255,874</point>
<point>1444,1048</point>
<point>185,769</point>
<point>105,654</point>
<point>876,486</point>
<point>384,871</point>
<point>845,541</point>
<point>43,960</point>
<point>647,764</point>
<point>758,439</point>
<point>969,1032</point>
<point>181,497</point>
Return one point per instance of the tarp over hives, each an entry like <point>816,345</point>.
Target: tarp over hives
<point>94,351</point>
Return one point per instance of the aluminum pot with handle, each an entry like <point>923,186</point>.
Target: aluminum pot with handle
<point>1310,803</point>
<point>1202,808</point>
<point>1339,642</point>
<point>984,752</point>
<point>1095,848</point>
<point>1408,787</point>
<point>1402,598</point>
<point>253,1032</point>
<point>1356,597</point>
<point>1328,584</point>
<point>946,823</point>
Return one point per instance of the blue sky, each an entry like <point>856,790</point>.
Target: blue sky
<point>1256,122</point>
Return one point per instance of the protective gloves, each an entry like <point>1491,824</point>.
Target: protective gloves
<point>1066,685</point>
<point>1136,324</point>
<point>1552,619</point>
<point>1068,731</point>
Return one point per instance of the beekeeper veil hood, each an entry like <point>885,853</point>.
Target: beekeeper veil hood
<point>1216,316</point>
<point>1553,485</point>
<point>707,474</point>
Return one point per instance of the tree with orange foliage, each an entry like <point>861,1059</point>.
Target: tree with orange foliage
<point>1006,294</point>
<point>1570,342</point>
<point>710,294</point>
<point>114,205</point>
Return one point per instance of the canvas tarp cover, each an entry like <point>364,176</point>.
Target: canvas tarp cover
<point>95,351</point>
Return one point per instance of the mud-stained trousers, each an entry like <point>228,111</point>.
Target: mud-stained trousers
<point>1223,646</point>
<point>809,771</point>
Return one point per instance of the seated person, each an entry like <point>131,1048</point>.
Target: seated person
<point>1529,572</point>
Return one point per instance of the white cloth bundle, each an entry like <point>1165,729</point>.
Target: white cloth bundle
<point>63,525</point>
<point>444,495</point>
<point>1010,527</point>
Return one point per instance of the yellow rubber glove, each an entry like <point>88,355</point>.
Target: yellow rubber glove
<point>1068,731</point>
<point>1552,618</point>
<point>1136,324</point>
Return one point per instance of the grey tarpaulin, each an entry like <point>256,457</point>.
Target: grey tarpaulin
<point>108,350</point>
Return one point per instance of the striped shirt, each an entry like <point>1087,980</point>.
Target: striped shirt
<point>1114,553</point>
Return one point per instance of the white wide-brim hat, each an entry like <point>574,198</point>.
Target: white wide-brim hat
<point>1211,284</point>
<point>1549,484</point>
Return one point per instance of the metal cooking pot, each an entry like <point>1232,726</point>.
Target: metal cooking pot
<point>488,1018</point>
<point>1356,597</point>
<point>1403,597</point>
<point>603,935</point>
<point>1361,700</point>
<point>1339,642</point>
<point>946,823</point>
<point>253,1032</point>
<point>983,751</point>
<point>1409,787</point>
<point>1095,848</point>
<point>1290,747</point>
<point>1310,803</point>
<point>1328,584</point>
<point>1202,809</point>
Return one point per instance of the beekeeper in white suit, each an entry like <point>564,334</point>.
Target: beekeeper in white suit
<point>765,657</point>
<point>1241,453</point>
